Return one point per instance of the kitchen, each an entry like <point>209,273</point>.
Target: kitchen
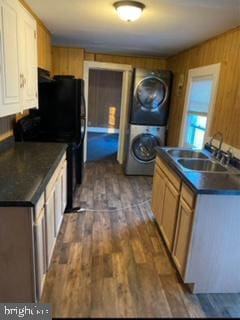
<point>130,245</point>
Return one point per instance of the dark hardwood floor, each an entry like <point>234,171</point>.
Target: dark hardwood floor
<point>114,263</point>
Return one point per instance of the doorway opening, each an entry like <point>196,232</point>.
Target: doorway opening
<point>199,102</point>
<point>104,108</point>
<point>126,71</point>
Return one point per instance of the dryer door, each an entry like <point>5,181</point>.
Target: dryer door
<point>151,93</point>
<point>143,147</point>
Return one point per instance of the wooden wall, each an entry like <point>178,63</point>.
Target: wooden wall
<point>105,89</point>
<point>68,61</point>
<point>226,117</point>
<point>44,61</point>
<point>135,61</point>
<point>44,48</point>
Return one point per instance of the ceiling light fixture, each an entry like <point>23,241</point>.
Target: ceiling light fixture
<point>129,10</point>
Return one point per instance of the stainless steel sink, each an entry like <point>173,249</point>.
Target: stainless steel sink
<point>176,153</point>
<point>202,165</point>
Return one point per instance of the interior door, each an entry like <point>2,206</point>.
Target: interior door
<point>10,71</point>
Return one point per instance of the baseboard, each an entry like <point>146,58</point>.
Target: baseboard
<point>102,130</point>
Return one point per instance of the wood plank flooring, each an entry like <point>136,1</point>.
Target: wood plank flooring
<point>114,263</point>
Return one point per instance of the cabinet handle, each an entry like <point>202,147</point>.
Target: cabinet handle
<point>24,81</point>
<point>21,80</point>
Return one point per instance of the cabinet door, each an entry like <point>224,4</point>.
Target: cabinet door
<point>50,225</point>
<point>169,214</point>
<point>182,238</point>
<point>10,71</point>
<point>158,194</point>
<point>58,203</point>
<point>28,59</point>
<point>64,186</point>
<point>40,251</point>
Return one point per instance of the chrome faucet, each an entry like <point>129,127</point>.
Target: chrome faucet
<point>216,151</point>
<point>227,157</point>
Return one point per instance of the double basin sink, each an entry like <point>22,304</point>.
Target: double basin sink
<point>197,161</point>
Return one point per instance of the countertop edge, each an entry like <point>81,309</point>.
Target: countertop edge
<point>167,159</point>
<point>33,201</point>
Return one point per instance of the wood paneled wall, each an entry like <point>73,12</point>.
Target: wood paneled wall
<point>44,48</point>
<point>105,89</point>
<point>224,49</point>
<point>135,61</point>
<point>68,61</point>
<point>44,61</point>
<point>6,127</point>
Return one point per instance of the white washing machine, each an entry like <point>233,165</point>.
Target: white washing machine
<point>141,153</point>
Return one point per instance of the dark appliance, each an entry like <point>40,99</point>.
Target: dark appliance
<point>60,118</point>
<point>150,97</point>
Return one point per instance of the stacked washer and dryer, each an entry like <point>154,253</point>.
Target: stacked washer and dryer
<point>148,119</point>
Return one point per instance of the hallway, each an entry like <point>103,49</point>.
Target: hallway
<point>114,263</point>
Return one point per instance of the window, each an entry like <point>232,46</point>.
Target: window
<point>199,100</point>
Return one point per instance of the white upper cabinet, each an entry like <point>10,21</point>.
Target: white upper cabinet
<point>18,59</point>
<point>9,65</point>
<point>28,60</point>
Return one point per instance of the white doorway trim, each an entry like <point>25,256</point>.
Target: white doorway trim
<point>126,83</point>
<point>213,71</point>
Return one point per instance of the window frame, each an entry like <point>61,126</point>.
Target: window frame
<point>212,71</point>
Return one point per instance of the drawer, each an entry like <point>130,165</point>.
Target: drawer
<point>188,196</point>
<point>53,179</point>
<point>171,175</point>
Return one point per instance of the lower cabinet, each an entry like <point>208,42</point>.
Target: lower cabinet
<point>64,185</point>
<point>173,206</point>
<point>58,203</point>
<point>182,238</point>
<point>29,235</point>
<point>50,225</point>
<point>158,194</point>
<point>169,214</point>
<point>40,238</point>
<point>48,222</point>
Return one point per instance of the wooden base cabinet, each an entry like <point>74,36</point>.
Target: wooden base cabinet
<point>201,232</point>
<point>158,194</point>
<point>182,236</point>
<point>169,214</point>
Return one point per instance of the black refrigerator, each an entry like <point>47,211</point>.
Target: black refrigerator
<point>60,118</point>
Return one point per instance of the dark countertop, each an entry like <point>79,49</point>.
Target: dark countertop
<point>204,182</point>
<point>25,170</point>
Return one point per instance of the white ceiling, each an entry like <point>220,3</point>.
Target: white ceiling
<point>165,28</point>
